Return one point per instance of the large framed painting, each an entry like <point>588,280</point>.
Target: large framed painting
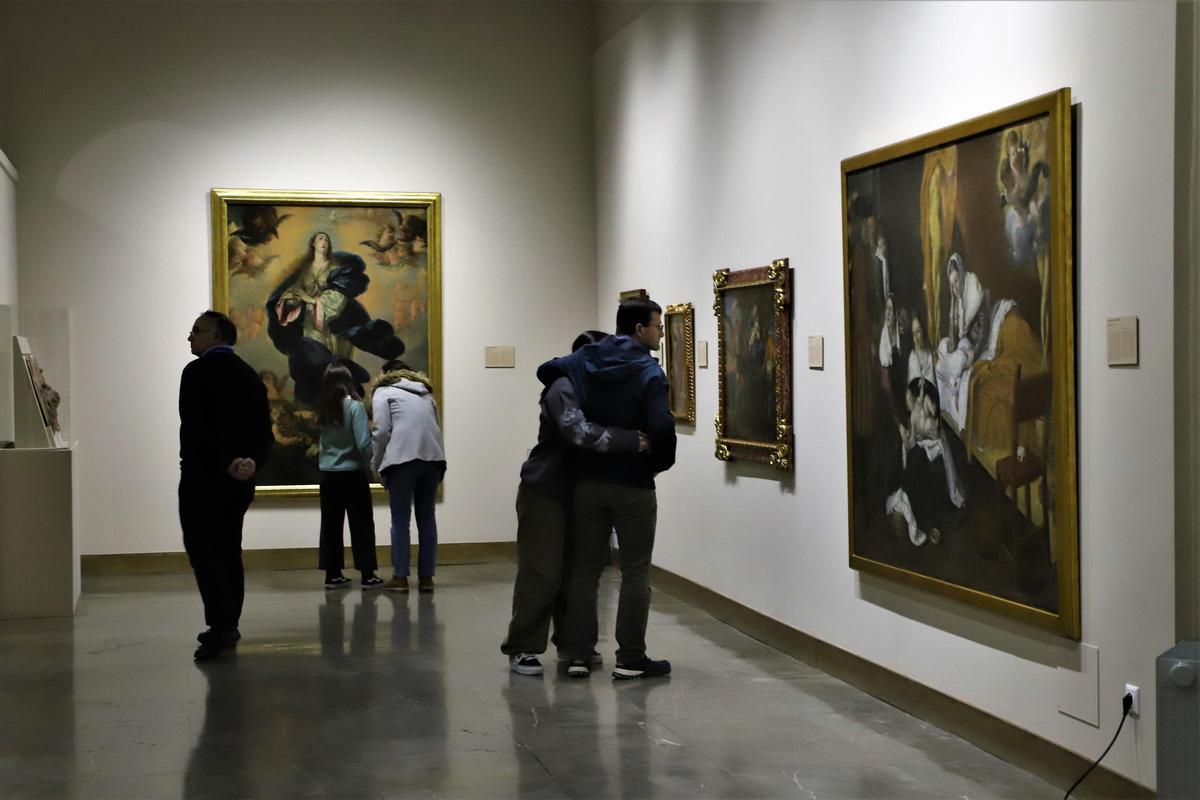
<point>754,354</point>
<point>679,345</point>
<point>960,362</point>
<point>316,277</point>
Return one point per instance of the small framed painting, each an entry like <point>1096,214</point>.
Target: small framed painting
<point>754,356</point>
<point>679,345</point>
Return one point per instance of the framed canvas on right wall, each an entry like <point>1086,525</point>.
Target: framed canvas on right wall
<point>679,351</point>
<point>960,363</point>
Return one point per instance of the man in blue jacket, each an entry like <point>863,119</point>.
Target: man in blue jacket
<point>618,384</point>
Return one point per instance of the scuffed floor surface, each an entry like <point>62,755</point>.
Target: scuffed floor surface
<point>365,695</point>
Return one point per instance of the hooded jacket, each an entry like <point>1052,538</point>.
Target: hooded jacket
<point>406,421</point>
<point>619,384</point>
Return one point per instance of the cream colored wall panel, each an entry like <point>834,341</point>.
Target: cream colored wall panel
<point>489,105</point>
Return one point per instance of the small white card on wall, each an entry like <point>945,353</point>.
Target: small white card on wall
<point>1123,341</point>
<point>702,354</point>
<point>816,352</point>
<point>499,357</point>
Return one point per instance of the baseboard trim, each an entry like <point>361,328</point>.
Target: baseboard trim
<point>1049,761</point>
<point>287,558</point>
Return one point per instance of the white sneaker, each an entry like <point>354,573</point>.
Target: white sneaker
<point>525,664</point>
<point>594,660</point>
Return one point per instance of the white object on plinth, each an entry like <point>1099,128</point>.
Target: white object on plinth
<point>31,425</point>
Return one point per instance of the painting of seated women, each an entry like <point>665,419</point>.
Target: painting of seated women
<point>965,234</point>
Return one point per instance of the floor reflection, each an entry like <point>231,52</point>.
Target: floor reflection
<point>353,694</point>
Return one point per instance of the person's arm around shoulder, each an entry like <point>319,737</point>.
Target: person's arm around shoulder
<point>576,429</point>
<point>660,425</point>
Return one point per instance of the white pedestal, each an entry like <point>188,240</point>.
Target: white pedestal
<point>39,548</point>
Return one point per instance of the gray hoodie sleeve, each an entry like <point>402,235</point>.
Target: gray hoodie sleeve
<point>382,415</point>
<point>562,407</point>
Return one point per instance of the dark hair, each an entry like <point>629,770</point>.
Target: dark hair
<point>633,312</point>
<point>226,330</point>
<point>394,365</point>
<point>337,386</point>
<point>586,338</point>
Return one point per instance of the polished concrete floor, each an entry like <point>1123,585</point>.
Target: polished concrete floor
<point>365,695</point>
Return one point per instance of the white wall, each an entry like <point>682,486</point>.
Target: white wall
<point>720,133</point>
<point>143,108</point>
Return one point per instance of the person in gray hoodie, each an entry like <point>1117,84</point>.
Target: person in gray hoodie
<point>410,458</point>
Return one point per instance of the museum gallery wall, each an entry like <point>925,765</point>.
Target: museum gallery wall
<point>717,131</point>
<point>116,174</point>
<point>721,132</point>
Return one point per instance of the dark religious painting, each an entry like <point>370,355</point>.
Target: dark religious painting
<point>960,362</point>
<point>679,346</point>
<point>311,278</point>
<point>754,345</point>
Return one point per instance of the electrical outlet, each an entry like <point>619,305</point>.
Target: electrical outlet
<point>1135,710</point>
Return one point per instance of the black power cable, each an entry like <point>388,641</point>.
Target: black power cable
<point>1126,704</point>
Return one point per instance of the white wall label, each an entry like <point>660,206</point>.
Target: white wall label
<point>702,354</point>
<point>1123,341</point>
<point>816,352</point>
<point>500,357</point>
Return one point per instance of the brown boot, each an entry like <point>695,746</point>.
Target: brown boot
<point>396,585</point>
<point>425,585</point>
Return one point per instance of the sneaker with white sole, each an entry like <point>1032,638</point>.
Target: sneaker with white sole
<point>340,582</point>
<point>373,582</point>
<point>642,668</point>
<point>525,664</point>
<point>578,668</point>
<point>594,660</point>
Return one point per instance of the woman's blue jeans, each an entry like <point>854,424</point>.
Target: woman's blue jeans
<point>413,484</point>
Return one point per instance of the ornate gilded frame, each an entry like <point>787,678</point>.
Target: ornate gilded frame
<point>430,201</point>
<point>1057,107</point>
<point>684,310</point>
<point>776,452</point>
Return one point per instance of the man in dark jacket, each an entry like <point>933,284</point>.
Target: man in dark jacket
<point>618,384</point>
<point>224,438</point>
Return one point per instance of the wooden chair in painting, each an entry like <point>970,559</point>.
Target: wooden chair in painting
<point>1030,403</point>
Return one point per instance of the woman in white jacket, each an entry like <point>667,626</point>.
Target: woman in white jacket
<point>411,461</point>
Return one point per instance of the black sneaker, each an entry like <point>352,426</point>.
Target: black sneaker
<point>578,668</point>
<point>204,636</point>
<point>525,664</point>
<point>216,642</point>
<point>340,582</point>
<point>642,668</point>
<point>373,582</point>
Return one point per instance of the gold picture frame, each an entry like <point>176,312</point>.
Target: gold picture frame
<point>754,363</point>
<point>969,230</point>
<point>679,355</point>
<point>390,243</point>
